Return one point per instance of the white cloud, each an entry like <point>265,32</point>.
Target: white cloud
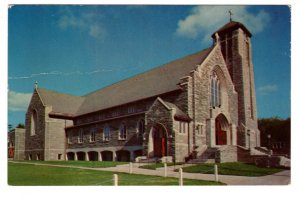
<point>204,20</point>
<point>267,89</point>
<point>87,22</point>
<point>18,101</point>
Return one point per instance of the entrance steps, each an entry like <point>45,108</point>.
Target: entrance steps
<point>208,156</point>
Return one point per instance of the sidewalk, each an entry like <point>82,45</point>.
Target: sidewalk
<point>281,178</point>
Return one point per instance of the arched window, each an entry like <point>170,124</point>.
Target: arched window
<point>215,91</point>
<point>106,133</point>
<point>33,122</point>
<point>122,132</point>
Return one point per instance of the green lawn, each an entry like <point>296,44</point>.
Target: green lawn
<point>28,174</point>
<point>155,165</point>
<point>234,168</point>
<point>90,164</point>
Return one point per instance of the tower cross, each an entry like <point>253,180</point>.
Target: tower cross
<point>230,15</point>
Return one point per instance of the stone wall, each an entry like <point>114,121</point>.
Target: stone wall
<point>159,114</point>
<point>132,137</point>
<point>35,144</point>
<point>19,152</point>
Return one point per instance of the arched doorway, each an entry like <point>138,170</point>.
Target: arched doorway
<point>221,129</point>
<point>70,156</point>
<point>123,155</point>
<point>93,156</point>
<point>107,155</point>
<point>160,141</point>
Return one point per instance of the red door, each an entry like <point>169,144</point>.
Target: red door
<point>159,142</point>
<point>221,138</point>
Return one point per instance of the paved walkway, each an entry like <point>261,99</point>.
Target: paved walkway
<point>281,178</point>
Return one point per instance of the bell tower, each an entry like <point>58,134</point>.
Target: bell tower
<point>235,42</point>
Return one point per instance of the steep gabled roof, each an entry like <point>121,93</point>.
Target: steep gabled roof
<point>61,103</point>
<point>232,25</point>
<point>157,81</point>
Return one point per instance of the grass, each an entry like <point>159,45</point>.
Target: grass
<point>157,165</point>
<point>90,164</point>
<point>35,175</point>
<point>234,168</point>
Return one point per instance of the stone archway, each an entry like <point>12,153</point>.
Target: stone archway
<point>221,130</point>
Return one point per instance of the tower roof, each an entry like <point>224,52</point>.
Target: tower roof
<point>231,26</point>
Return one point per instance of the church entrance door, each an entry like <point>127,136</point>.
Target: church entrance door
<point>159,141</point>
<point>221,128</point>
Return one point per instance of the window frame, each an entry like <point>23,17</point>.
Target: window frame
<point>80,136</point>
<point>122,131</point>
<point>106,136</point>
<point>93,135</point>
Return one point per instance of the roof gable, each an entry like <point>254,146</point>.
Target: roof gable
<point>61,103</point>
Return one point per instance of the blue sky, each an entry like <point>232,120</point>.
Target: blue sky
<point>79,49</point>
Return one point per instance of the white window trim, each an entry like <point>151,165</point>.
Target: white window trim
<point>93,135</point>
<point>119,134</point>
<point>106,139</point>
<point>80,136</point>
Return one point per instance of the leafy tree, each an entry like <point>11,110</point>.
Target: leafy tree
<point>20,125</point>
<point>278,129</point>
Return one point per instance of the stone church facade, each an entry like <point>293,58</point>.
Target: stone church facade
<point>189,108</point>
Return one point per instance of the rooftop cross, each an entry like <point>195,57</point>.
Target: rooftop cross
<point>230,15</point>
<point>35,84</point>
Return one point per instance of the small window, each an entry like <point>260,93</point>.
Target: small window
<point>80,136</point>
<point>131,109</point>
<point>115,113</point>
<point>183,127</point>
<point>93,135</point>
<point>106,133</point>
<point>69,137</point>
<point>200,130</point>
<point>122,132</point>
<point>59,156</point>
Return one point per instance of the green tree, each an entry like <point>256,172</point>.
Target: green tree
<point>278,129</point>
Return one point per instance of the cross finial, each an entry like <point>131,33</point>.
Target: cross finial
<point>230,15</point>
<point>35,84</point>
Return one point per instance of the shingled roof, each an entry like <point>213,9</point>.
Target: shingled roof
<point>61,103</point>
<point>157,81</point>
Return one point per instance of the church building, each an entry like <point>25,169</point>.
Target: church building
<point>202,106</point>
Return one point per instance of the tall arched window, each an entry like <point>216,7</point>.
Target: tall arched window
<point>106,133</point>
<point>215,91</point>
<point>33,122</point>
<point>122,132</point>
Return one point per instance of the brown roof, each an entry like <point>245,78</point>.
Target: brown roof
<point>61,103</point>
<point>232,25</point>
<point>157,81</point>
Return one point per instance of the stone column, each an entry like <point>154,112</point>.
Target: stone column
<point>114,156</point>
<point>210,125</point>
<point>233,134</point>
<point>75,156</point>
<point>99,156</point>
<point>87,156</point>
<point>131,155</point>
